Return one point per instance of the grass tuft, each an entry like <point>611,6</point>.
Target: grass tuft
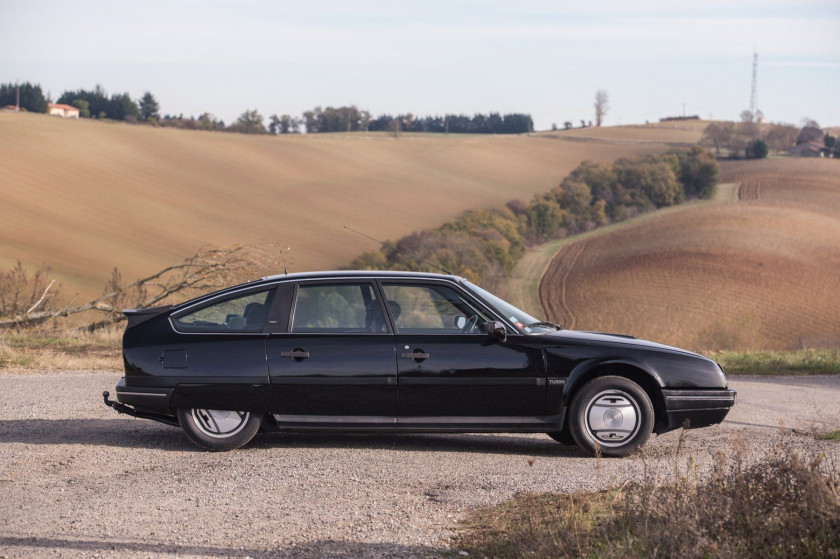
<point>833,436</point>
<point>799,362</point>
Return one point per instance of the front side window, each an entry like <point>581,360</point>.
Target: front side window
<point>338,308</point>
<point>245,313</point>
<point>432,309</point>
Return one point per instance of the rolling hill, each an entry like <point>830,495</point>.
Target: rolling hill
<point>759,273</point>
<point>84,196</point>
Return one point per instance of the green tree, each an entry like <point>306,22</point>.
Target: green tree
<point>31,97</point>
<point>97,100</point>
<point>149,108</point>
<point>122,107</point>
<point>699,172</point>
<point>654,177</point>
<point>756,149</point>
<point>83,106</point>
<point>575,196</point>
<point>274,124</point>
<point>249,122</point>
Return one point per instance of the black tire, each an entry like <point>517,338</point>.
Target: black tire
<point>219,430</point>
<point>564,436</point>
<point>611,415</point>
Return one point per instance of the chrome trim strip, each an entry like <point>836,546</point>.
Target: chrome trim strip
<point>120,393</point>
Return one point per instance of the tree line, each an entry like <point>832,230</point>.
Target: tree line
<point>754,139</point>
<point>96,103</point>
<point>352,119</point>
<point>485,245</point>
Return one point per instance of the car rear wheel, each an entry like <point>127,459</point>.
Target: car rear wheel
<point>611,415</point>
<point>219,429</point>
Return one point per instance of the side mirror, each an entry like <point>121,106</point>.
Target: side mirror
<point>497,330</point>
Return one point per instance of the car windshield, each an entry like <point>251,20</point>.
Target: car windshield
<point>522,320</point>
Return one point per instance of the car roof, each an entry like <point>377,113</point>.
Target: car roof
<point>358,273</point>
<point>332,274</point>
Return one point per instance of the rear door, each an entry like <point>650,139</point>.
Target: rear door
<point>335,361</point>
<point>216,353</point>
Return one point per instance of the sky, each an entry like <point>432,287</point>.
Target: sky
<point>428,57</point>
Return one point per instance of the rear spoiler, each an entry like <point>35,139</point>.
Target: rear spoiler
<point>138,316</point>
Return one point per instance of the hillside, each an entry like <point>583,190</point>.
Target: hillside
<point>85,196</point>
<point>760,273</point>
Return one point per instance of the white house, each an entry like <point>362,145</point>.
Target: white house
<point>64,111</point>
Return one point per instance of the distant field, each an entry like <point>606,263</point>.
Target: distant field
<point>685,132</point>
<point>761,273</point>
<point>85,196</point>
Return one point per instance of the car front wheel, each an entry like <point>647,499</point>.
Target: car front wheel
<point>219,429</point>
<point>611,415</point>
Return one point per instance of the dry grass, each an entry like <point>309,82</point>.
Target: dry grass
<point>85,196</point>
<point>785,506</point>
<point>55,350</point>
<point>757,275</point>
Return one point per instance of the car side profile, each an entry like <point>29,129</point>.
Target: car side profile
<point>401,352</point>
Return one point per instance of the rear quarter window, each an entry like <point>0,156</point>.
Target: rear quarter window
<point>244,313</point>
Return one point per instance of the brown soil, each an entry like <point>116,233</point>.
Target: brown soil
<point>761,274</point>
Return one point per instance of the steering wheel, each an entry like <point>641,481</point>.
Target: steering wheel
<point>469,326</point>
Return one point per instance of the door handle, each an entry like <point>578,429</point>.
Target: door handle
<point>296,354</point>
<point>416,354</point>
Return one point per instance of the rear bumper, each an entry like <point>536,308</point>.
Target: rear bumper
<point>701,407</point>
<point>155,400</point>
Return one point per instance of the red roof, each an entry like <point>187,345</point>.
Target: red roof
<point>63,107</point>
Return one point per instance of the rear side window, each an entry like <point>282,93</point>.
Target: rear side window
<point>338,308</point>
<point>246,313</point>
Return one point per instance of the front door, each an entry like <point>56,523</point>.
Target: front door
<point>449,367</point>
<point>336,357</point>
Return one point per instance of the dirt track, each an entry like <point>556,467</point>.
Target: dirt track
<point>76,479</point>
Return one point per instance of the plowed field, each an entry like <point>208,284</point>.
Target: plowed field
<point>85,196</point>
<point>762,273</point>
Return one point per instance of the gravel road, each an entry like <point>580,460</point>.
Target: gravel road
<point>79,480</point>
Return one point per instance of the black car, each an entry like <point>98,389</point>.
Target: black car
<point>401,352</point>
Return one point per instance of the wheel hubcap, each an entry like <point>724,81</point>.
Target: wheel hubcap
<point>612,417</point>
<point>220,423</point>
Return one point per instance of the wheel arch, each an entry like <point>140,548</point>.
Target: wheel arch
<point>636,372</point>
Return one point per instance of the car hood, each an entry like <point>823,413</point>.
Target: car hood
<point>578,336</point>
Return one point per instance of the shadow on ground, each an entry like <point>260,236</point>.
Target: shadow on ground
<point>134,433</point>
<point>22,546</point>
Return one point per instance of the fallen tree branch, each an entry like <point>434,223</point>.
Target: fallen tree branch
<point>205,270</point>
<point>41,300</point>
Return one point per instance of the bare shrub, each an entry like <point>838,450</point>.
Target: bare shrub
<point>21,293</point>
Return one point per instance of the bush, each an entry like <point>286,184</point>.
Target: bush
<point>698,172</point>
<point>756,149</point>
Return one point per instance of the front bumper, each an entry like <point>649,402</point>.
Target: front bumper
<point>700,407</point>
